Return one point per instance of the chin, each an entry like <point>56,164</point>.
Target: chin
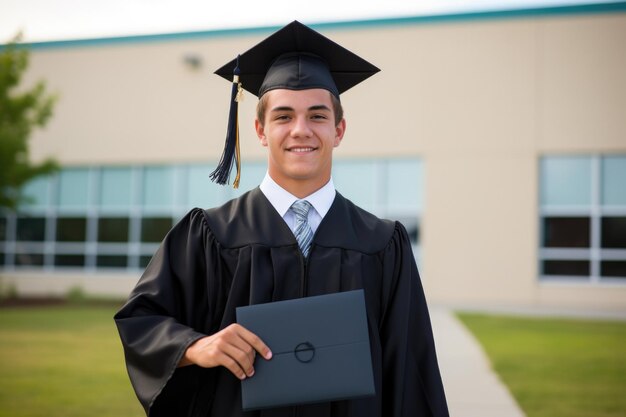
<point>302,173</point>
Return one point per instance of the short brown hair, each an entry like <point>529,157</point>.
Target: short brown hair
<point>262,104</point>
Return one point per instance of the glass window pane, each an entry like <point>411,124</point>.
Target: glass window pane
<point>412,228</point>
<point>252,173</point>
<point>69,260</point>
<point>3,228</point>
<point>144,261</point>
<point>29,259</point>
<point>614,269</point>
<point>614,180</point>
<point>113,229</point>
<point>115,188</point>
<point>154,229</point>
<point>201,191</point>
<point>614,232</point>
<point>112,261</point>
<point>74,188</point>
<point>31,229</point>
<point>566,181</point>
<point>37,193</point>
<point>71,229</point>
<point>571,268</point>
<point>158,183</point>
<point>356,180</point>
<point>566,232</point>
<point>405,184</point>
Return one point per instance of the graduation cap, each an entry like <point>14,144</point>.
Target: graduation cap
<point>295,58</point>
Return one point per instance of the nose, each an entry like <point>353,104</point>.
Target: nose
<point>301,127</point>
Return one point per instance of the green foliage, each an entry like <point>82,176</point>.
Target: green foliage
<point>63,362</point>
<point>21,111</point>
<point>76,295</point>
<point>557,367</point>
<point>7,291</point>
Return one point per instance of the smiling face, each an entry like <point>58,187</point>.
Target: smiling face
<point>300,132</point>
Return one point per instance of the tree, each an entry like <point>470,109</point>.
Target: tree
<point>21,111</point>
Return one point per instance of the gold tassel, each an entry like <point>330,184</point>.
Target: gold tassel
<point>238,99</point>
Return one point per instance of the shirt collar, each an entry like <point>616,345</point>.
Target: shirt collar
<point>281,199</point>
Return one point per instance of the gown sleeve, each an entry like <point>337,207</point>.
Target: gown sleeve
<point>411,380</point>
<point>164,315</point>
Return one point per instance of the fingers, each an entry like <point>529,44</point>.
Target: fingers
<point>234,348</point>
<point>241,345</point>
<point>235,366</point>
<point>256,342</point>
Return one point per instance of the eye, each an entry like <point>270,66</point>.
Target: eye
<point>319,116</point>
<point>282,117</point>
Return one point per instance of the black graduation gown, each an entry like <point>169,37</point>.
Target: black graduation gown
<point>243,253</point>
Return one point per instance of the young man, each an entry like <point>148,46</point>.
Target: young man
<point>292,237</point>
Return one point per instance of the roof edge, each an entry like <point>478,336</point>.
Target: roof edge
<point>595,8</point>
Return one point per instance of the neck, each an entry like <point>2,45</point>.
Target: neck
<point>303,188</point>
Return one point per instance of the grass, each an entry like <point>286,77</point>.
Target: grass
<point>67,361</point>
<point>557,367</point>
<point>63,361</point>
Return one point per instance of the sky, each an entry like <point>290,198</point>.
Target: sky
<point>49,20</point>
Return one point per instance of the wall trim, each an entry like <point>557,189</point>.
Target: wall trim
<point>579,9</point>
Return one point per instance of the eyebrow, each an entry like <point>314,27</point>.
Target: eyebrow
<point>319,107</point>
<point>312,108</point>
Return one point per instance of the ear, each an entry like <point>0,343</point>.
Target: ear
<point>340,130</point>
<point>260,132</point>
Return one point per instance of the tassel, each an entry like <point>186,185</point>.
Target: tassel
<point>221,175</point>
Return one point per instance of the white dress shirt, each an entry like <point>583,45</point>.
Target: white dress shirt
<point>281,199</point>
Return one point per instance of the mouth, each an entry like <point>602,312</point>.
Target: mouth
<point>301,149</point>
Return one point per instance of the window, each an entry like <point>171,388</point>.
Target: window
<point>114,217</point>
<point>3,229</point>
<point>199,189</point>
<point>37,193</point>
<point>613,181</point>
<point>116,188</point>
<point>358,180</point>
<point>614,232</point>
<point>158,187</point>
<point>389,188</point>
<point>112,261</point>
<point>28,259</point>
<point>31,229</point>
<point>69,260</point>
<point>71,229</point>
<point>154,229</point>
<point>583,218</point>
<point>73,188</point>
<point>113,229</point>
<point>144,261</point>
<point>566,232</point>
<point>404,184</point>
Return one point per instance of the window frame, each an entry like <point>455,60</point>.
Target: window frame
<point>596,210</point>
<point>177,205</point>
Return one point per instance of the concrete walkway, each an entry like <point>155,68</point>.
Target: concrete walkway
<point>472,387</point>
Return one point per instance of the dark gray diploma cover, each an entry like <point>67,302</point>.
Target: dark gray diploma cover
<point>320,347</point>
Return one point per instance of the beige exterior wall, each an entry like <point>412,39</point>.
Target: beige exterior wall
<point>479,101</point>
<point>59,284</point>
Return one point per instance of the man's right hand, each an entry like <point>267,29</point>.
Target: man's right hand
<point>234,347</point>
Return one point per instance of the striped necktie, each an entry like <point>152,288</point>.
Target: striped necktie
<point>302,231</point>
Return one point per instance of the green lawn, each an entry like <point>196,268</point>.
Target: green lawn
<point>63,361</point>
<point>67,361</point>
<point>557,368</point>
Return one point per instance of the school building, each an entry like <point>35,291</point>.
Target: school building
<point>497,138</point>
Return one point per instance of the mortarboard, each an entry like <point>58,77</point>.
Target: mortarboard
<point>296,58</point>
<point>321,351</point>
